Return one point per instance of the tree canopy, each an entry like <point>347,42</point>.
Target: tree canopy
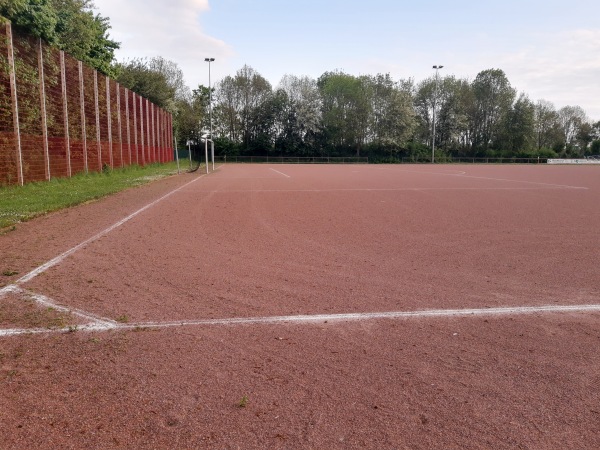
<point>336,114</point>
<point>70,25</point>
<point>342,114</point>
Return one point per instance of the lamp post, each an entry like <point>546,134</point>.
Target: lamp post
<point>212,144</point>
<point>434,101</point>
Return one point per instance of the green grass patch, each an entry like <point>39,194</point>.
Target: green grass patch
<point>22,203</point>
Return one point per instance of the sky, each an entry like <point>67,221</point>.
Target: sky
<point>548,49</point>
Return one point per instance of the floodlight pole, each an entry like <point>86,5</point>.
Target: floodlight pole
<point>434,101</point>
<point>212,145</point>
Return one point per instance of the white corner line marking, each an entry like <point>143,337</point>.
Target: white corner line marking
<point>48,302</point>
<point>371,316</point>
<point>58,259</point>
<point>280,173</point>
<point>348,317</point>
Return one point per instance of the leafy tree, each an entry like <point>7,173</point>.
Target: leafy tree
<point>570,121</point>
<point>585,136</point>
<point>392,120</point>
<point>493,99</point>
<point>226,110</point>
<point>517,135</point>
<point>423,104</point>
<point>69,25</point>
<point>299,115</point>
<point>191,116</point>
<point>141,78</point>
<point>37,17</point>
<point>456,100</point>
<point>346,110</point>
<point>254,92</point>
<point>546,128</point>
<point>242,112</point>
<point>161,82</point>
<point>454,103</point>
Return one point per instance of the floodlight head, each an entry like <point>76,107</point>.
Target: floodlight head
<point>209,59</point>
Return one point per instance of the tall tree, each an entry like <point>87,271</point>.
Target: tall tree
<point>226,109</point>
<point>454,102</point>
<point>254,93</point>
<point>493,99</point>
<point>242,108</point>
<point>139,76</point>
<point>300,114</point>
<point>518,130</point>
<point>70,25</point>
<point>392,120</point>
<point>570,120</point>
<point>346,109</point>
<point>456,99</point>
<point>546,127</point>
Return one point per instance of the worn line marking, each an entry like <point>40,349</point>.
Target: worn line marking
<point>280,173</point>
<point>522,181</point>
<point>236,191</point>
<point>463,174</point>
<point>48,302</point>
<point>373,316</point>
<point>57,260</point>
<point>349,317</point>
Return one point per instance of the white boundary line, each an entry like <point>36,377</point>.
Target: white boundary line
<point>280,173</point>
<point>58,259</point>
<point>354,317</point>
<point>463,174</point>
<point>300,319</point>
<point>522,181</point>
<point>48,302</point>
<point>237,191</point>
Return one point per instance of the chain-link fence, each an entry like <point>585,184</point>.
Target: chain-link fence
<point>59,117</point>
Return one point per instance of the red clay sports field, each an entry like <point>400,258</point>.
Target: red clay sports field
<point>310,306</point>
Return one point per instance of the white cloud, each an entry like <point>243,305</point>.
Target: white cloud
<point>563,68</point>
<point>168,29</point>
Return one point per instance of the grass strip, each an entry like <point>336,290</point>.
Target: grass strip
<point>22,203</point>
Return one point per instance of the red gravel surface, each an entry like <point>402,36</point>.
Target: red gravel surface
<point>258,241</point>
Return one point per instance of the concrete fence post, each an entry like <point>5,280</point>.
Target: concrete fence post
<point>15,104</point>
<point>128,124</point>
<point>135,128</point>
<point>142,143</point>
<point>119,123</point>
<point>82,113</point>
<point>109,123</point>
<point>43,114</point>
<point>97,107</point>
<point>65,104</point>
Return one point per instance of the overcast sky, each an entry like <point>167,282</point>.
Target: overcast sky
<point>549,49</point>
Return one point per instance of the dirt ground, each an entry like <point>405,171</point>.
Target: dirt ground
<point>180,360</point>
